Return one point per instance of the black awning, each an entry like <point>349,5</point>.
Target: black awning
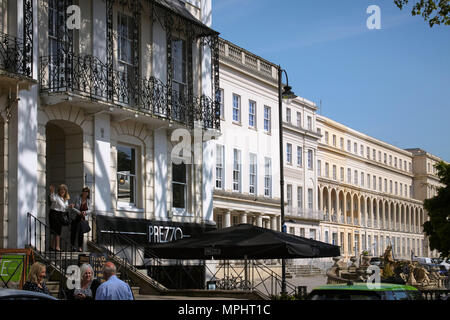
<point>177,7</point>
<point>244,241</point>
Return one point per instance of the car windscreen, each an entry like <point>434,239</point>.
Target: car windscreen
<point>344,295</point>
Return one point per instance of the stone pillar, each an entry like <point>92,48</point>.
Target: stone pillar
<point>351,210</point>
<point>244,217</point>
<point>273,223</point>
<point>102,163</point>
<point>259,220</point>
<point>227,221</point>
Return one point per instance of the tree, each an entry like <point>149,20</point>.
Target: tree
<point>438,207</point>
<point>433,11</point>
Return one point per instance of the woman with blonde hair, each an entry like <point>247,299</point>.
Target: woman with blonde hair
<point>36,277</point>
<point>88,285</point>
<point>59,205</point>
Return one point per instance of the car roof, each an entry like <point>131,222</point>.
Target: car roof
<point>4,293</point>
<point>364,287</point>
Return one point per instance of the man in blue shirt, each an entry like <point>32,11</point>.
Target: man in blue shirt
<point>113,288</point>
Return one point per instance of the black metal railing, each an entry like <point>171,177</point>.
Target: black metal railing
<point>39,237</point>
<point>251,275</point>
<point>131,254</point>
<point>12,56</point>
<point>88,76</point>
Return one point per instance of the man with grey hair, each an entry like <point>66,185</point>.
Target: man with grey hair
<point>113,288</point>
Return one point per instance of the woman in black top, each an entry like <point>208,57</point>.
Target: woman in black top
<point>36,277</point>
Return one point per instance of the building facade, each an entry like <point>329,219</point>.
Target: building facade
<point>109,104</point>
<point>368,193</point>
<point>246,172</point>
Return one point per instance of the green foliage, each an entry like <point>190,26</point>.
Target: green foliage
<point>438,207</point>
<point>433,11</point>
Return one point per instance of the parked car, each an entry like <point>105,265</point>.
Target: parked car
<point>14,294</point>
<point>361,291</point>
<point>446,264</point>
<point>423,260</point>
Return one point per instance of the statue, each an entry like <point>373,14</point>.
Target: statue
<point>388,269</point>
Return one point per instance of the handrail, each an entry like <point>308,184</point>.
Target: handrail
<point>38,239</point>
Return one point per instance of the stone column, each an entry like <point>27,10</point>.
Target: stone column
<point>244,217</point>
<point>273,223</point>
<point>227,221</point>
<point>259,220</point>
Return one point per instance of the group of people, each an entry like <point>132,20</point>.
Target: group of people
<point>90,289</point>
<point>80,210</point>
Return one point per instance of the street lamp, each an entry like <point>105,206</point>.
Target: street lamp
<point>287,94</point>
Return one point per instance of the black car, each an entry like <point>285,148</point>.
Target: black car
<point>14,294</point>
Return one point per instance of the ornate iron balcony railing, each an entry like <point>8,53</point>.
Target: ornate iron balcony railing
<point>12,56</point>
<point>90,77</point>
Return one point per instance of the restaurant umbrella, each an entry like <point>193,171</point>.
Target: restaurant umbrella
<point>244,241</point>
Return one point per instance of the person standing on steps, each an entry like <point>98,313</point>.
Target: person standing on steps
<point>59,205</point>
<point>82,209</point>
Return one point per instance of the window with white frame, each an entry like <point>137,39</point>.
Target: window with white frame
<point>236,170</point>
<point>374,155</point>
<point>395,162</point>
<point>300,197</point>
<point>289,153</point>
<point>401,189</point>
<point>334,140</point>
<point>342,143</point>
<point>267,177</point>
<point>310,123</point>
<point>355,148</point>
<point>299,156</point>
<point>236,108</point>
<point>310,159</point>
<point>362,179</point>
<point>385,185</point>
<point>349,176</point>
<point>299,119</point>
<point>396,188</point>
<point>126,175</point>
<point>327,170</point>
<point>220,165</point>
<point>326,137</point>
<point>380,184</point>
<point>390,186</point>
<point>385,158</point>
<point>349,146</point>
<point>312,234</point>
<point>319,168</point>
<point>252,114</point>
<point>179,66</point>
<point>390,160</point>
<point>267,119</point>
<point>179,186</point>
<point>361,151</point>
<point>356,177</point>
<point>220,99</point>
<point>253,174</point>
<point>310,199</point>
<point>342,174</point>
<point>288,115</point>
<point>334,172</point>
<point>379,156</point>
<point>368,153</point>
<point>125,39</point>
<point>289,195</point>
<point>374,183</point>
<point>368,181</point>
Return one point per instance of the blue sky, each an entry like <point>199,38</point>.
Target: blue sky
<point>392,84</point>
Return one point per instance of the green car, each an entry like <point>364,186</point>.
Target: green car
<point>362,291</point>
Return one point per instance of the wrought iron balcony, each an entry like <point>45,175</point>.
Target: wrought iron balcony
<point>89,77</point>
<point>12,58</point>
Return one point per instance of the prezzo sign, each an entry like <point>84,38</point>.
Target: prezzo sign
<point>163,234</point>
